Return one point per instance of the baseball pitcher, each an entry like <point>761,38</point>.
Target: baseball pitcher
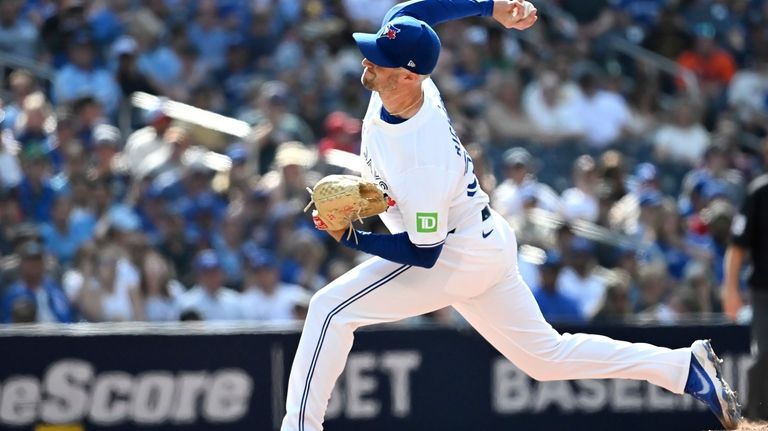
<point>447,247</point>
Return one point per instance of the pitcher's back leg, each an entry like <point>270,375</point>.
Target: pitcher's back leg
<point>508,316</point>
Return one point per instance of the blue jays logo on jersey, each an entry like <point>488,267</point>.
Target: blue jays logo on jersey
<point>372,170</point>
<point>390,32</point>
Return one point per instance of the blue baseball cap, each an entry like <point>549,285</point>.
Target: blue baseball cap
<point>206,260</point>
<point>237,153</point>
<point>645,172</point>
<point>403,42</point>
<point>517,156</point>
<point>258,259</point>
<point>651,198</point>
<point>581,245</point>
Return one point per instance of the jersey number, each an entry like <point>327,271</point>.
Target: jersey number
<point>462,152</point>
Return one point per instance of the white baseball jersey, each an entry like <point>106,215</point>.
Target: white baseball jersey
<point>422,165</point>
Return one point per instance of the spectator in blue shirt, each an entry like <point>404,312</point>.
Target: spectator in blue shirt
<point>204,215</point>
<point>152,211</point>
<point>36,288</point>
<point>555,306</point>
<point>104,22</point>
<point>35,192</point>
<point>82,77</point>
<point>236,75</point>
<point>262,39</point>
<point>228,243</point>
<point>158,62</point>
<point>670,244</point>
<point>17,35</point>
<point>207,33</point>
<point>66,231</point>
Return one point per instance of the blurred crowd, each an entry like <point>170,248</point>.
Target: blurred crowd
<point>621,178</point>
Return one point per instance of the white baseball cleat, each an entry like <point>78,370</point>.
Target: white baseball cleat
<point>706,384</point>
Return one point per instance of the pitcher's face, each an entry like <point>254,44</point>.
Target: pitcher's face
<point>377,78</point>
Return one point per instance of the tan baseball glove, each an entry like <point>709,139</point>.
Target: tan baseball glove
<point>341,199</point>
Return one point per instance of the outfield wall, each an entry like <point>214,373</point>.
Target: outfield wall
<point>218,377</point>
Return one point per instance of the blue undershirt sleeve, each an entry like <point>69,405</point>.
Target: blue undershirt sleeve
<point>396,248</point>
<point>438,11</point>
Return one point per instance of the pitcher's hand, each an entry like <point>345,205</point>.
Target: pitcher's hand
<point>517,14</point>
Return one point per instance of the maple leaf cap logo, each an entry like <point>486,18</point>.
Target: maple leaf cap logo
<point>391,32</point>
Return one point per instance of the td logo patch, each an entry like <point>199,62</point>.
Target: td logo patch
<point>426,222</point>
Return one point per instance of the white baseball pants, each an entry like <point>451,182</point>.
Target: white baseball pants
<point>486,288</point>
